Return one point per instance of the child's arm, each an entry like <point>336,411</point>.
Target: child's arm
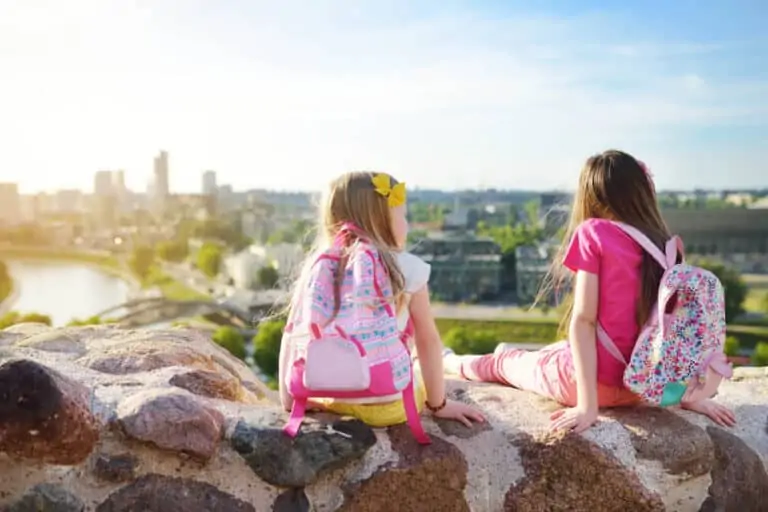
<point>285,398</point>
<point>582,336</point>
<point>430,349</point>
<point>429,346</point>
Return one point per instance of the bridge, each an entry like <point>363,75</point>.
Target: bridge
<point>153,309</point>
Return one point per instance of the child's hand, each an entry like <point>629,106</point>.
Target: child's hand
<point>459,411</point>
<point>575,419</point>
<point>713,410</point>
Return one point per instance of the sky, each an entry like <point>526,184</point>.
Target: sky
<point>442,94</point>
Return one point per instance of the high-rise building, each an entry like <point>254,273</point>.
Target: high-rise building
<point>10,208</point>
<point>160,185</point>
<point>209,183</point>
<point>102,183</point>
<point>161,188</point>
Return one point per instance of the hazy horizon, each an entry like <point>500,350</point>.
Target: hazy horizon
<point>444,95</point>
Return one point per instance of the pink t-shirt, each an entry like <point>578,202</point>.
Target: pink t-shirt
<point>599,247</point>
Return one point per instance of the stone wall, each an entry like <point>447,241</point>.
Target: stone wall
<point>109,420</point>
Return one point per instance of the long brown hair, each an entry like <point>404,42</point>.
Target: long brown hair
<point>352,198</point>
<point>614,185</point>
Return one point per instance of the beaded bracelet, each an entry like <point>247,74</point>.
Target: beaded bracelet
<point>439,408</point>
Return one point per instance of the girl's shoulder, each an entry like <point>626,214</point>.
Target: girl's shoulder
<point>415,271</point>
<point>599,228</point>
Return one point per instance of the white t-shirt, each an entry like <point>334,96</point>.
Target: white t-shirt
<point>416,275</point>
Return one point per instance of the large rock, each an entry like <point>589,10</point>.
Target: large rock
<point>104,419</point>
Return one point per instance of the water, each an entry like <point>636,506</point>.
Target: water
<point>64,290</point>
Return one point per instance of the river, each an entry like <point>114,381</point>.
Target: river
<point>64,290</point>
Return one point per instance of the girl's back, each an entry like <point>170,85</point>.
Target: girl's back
<point>599,247</point>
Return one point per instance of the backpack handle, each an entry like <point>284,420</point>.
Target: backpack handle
<point>666,259</point>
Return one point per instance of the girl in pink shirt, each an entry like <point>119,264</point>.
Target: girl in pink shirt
<point>614,281</point>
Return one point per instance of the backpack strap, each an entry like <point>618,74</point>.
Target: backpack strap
<point>609,344</point>
<point>666,259</point>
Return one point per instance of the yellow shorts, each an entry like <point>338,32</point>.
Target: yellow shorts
<point>377,415</point>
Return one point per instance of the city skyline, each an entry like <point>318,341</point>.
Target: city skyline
<point>451,96</point>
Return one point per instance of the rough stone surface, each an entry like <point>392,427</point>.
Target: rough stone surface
<point>424,478</point>
<point>43,415</point>
<point>286,462</point>
<point>157,493</point>
<point>102,418</point>
<point>115,468</point>
<point>739,478</point>
<point>172,419</point>
<point>575,464</point>
<point>292,500</point>
<point>208,383</point>
<point>47,498</point>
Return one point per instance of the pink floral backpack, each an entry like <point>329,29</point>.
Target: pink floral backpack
<point>679,354</point>
<point>358,354</point>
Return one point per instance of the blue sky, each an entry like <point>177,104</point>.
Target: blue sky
<point>442,94</point>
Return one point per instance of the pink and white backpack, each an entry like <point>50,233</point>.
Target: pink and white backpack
<point>360,354</point>
<point>678,355</point>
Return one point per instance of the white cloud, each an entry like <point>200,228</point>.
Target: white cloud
<point>272,96</point>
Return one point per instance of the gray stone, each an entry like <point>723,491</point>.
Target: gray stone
<point>115,468</point>
<point>157,493</point>
<point>292,500</point>
<point>172,419</point>
<point>739,479</point>
<point>47,498</point>
<point>280,460</point>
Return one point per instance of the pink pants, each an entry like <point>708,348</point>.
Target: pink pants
<point>548,372</point>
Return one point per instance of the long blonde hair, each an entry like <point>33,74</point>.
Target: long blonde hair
<point>352,198</point>
<point>613,185</point>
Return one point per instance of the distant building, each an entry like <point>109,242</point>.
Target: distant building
<point>464,267</point>
<point>736,236</point>
<point>160,182</point>
<point>553,200</point>
<point>531,266</point>
<point>10,210</point>
<point>244,266</point>
<point>210,187</point>
<point>102,183</point>
<point>68,201</point>
<point>720,231</point>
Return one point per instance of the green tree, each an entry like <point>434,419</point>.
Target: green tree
<point>173,250</point>
<point>732,346</point>
<point>209,259</point>
<point>268,277</point>
<point>226,232</point>
<point>15,318</point>
<point>141,261</point>
<point>760,355</point>
<point>267,346</point>
<point>764,303</point>
<point>296,233</point>
<point>230,339</point>
<point>6,282</point>
<point>93,320</point>
<point>470,341</point>
<point>734,286</point>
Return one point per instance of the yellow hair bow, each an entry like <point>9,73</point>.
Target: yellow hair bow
<point>395,195</point>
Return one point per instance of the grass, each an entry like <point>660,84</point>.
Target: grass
<point>524,331</point>
<point>60,254</point>
<point>520,331</point>
<point>169,287</point>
